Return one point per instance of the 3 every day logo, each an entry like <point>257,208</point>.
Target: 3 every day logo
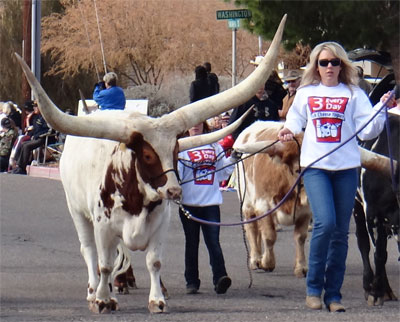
<point>203,161</point>
<point>327,114</point>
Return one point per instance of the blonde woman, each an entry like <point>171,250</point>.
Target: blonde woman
<point>331,108</point>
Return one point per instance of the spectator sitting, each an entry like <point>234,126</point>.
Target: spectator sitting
<point>8,135</point>
<point>24,152</point>
<point>27,130</point>
<point>108,95</point>
<point>11,110</point>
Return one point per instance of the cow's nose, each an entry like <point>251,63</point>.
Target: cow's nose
<point>174,193</point>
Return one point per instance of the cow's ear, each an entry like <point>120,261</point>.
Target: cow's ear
<point>135,141</point>
<point>291,152</point>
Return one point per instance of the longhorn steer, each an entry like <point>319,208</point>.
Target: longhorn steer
<point>376,213</point>
<point>118,170</point>
<point>264,180</point>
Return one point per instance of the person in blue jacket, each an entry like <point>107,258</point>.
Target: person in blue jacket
<point>108,95</point>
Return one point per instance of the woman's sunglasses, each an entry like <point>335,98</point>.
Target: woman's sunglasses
<point>325,62</point>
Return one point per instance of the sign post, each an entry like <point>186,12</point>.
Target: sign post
<point>233,17</point>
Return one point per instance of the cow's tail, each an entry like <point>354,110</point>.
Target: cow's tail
<point>122,261</point>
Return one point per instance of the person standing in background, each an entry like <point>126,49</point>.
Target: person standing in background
<point>293,79</point>
<point>362,83</point>
<point>199,88</point>
<point>212,79</point>
<point>108,95</point>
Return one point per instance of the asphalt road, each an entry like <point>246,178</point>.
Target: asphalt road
<point>43,276</point>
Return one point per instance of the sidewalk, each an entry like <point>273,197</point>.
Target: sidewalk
<point>49,171</point>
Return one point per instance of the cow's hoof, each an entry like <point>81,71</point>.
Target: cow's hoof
<point>160,307</point>
<point>165,293</point>
<point>132,284</point>
<point>100,307</point>
<point>390,296</point>
<point>122,290</point>
<point>268,267</point>
<point>114,304</point>
<point>300,272</point>
<point>269,270</point>
<point>375,301</point>
<point>254,265</point>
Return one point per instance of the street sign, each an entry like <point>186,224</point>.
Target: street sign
<point>234,23</point>
<point>233,14</point>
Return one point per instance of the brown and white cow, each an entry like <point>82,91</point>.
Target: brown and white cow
<point>264,179</point>
<point>118,170</point>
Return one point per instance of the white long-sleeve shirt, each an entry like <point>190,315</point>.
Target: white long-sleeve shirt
<point>330,115</point>
<point>198,163</point>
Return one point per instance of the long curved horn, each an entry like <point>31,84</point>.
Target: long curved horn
<point>199,140</point>
<point>96,127</point>
<point>196,112</point>
<point>376,162</point>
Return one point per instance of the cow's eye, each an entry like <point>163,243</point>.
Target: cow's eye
<point>148,156</point>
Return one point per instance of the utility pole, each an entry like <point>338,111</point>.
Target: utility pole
<point>26,45</point>
<point>36,33</point>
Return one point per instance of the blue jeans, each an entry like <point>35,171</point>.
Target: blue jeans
<point>211,238</point>
<point>331,195</point>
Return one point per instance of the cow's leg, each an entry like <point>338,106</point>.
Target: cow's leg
<point>364,247</point>
<point>268,237</point>
<point>157,303</point>
<point>106,243</point>
<point>84,229</point>
<point>253,237</point>
<point>300,236</point>
<point>380,285</point>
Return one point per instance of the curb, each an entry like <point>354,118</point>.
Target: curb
<point>43,172</point>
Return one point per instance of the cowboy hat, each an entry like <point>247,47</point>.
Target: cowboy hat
<point>292,75</point>
<point>257,60</point>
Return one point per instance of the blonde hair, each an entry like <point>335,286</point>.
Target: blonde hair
<point>7,108</point>
<point>347,74</point>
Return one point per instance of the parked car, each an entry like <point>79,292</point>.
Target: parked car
<point>384,84</point>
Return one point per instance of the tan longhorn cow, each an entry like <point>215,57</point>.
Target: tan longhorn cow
<point>265,178</point>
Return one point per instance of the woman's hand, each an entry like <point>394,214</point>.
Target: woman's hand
<point>389,103</point>
<point>285,135</point>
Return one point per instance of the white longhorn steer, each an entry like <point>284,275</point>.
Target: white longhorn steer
<point>118,170</point>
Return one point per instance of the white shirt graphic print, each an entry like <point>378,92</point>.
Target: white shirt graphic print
<point>327,114</point>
